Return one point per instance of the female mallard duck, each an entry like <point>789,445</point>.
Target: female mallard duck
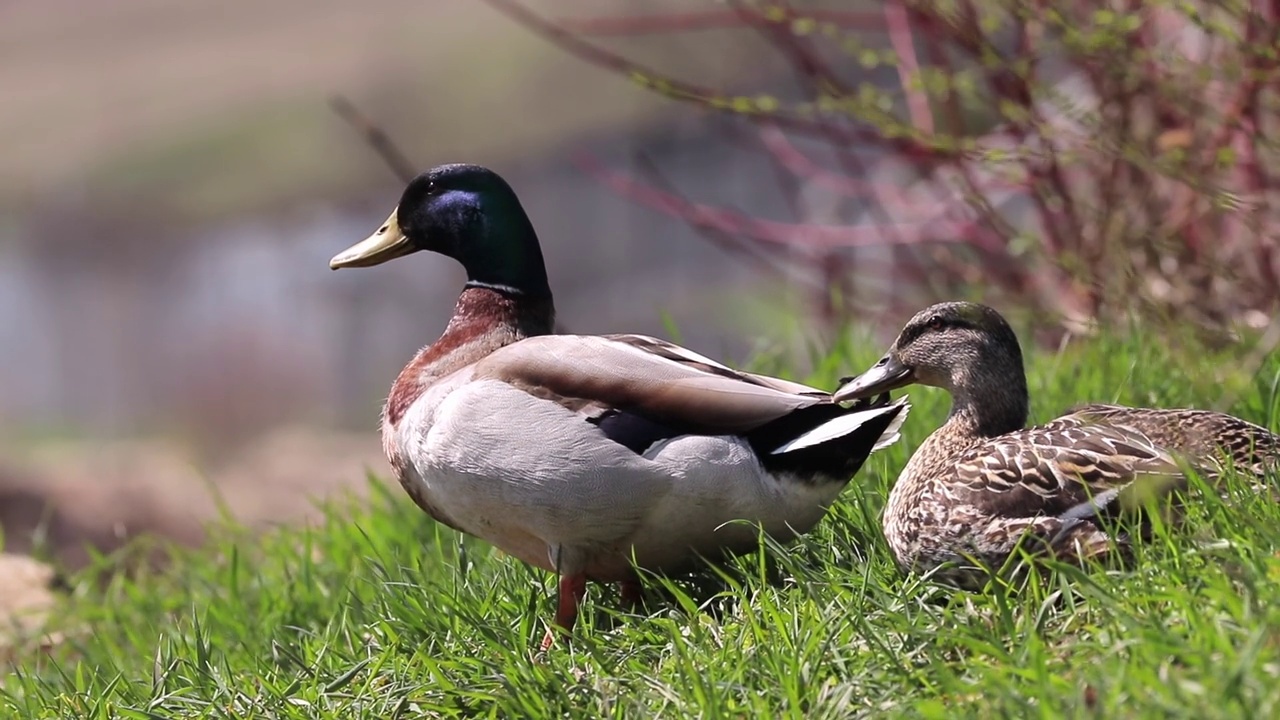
<point>578,454</point>
<point>982,483</point>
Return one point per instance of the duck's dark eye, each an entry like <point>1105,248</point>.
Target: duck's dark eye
<point>935,323</point>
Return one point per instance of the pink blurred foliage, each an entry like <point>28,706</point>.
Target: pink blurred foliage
<point>1139,138</point>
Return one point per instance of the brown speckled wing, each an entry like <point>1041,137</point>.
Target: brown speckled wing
<point>1051,468</point>
<point>1203,437</point>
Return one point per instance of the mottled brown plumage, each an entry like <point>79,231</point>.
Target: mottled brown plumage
<point>983,483</point>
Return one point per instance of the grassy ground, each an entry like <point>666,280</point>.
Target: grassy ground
<point>380,613</point>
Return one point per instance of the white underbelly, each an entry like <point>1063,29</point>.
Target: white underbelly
<point>528,476</point>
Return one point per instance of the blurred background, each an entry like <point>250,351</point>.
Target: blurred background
<point>756,176</point>
<point>174,182</point>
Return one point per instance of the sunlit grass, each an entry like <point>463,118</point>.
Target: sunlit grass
<point>378,612</point>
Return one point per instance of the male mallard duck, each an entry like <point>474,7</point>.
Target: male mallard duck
<point>573,452</point>
<point>982,482</point>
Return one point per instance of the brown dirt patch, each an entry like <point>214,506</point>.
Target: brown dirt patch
<point>26,599</point>
<point>59,499</point>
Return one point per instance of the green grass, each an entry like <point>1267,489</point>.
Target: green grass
<point>378,612</point>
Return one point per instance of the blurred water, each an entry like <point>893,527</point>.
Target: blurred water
<point>252,314</point>
<point>25,352</point>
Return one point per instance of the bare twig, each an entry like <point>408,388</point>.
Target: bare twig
<point>763,256</point>
<point>656,23</point>
<point>699,95</point>
<point>375,136</point>
<point>770,231</point>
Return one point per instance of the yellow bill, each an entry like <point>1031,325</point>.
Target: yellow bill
<point>388,243</point>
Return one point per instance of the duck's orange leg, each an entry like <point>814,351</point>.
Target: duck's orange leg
<point>572,589</point>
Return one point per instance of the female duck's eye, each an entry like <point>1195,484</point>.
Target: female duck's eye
<point>935,323</point>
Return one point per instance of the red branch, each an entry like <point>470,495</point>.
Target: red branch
<point>898,23</point>
<point>800,165</point>
<point>771,231</point>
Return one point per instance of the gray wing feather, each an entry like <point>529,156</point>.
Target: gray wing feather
<point>639,374</point>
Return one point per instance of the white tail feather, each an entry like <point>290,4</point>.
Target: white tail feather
<point>846,424</point>
<point>891,434</point>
